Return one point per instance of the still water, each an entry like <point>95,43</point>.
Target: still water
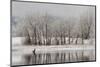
<point>54,57</point>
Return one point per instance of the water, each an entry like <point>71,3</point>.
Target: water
<point>55,57</point>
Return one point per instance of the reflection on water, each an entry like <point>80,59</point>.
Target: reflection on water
<point>60,57</point>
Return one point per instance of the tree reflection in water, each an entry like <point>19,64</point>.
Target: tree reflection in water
<point>45,58</point>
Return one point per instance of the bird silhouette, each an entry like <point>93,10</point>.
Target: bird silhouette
<point>34,51</point>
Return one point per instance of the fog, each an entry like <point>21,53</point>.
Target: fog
<point>20,9</point>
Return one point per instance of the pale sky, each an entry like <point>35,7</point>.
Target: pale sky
<point>21,9</point>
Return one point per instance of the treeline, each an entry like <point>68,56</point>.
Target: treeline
<point>48,30</point>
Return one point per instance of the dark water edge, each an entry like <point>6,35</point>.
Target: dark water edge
<point>59,57</point>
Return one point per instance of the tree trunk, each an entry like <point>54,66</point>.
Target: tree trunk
<point>69,36</point>
<point>77,39</point>
<point>61,39</point>
<point>82,39</point>
<point>35,41</point>
<point>46,34</point>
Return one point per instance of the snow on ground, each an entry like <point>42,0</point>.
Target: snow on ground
<point>50,49</point>
<point>18,47</point>
<point>17,40</point>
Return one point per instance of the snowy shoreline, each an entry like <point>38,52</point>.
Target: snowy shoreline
<point>50,49</point>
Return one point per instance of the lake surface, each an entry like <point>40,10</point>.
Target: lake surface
<point>53,57</point>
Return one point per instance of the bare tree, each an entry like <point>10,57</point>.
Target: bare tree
<point>86,23</point>
<point>70,28</point>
